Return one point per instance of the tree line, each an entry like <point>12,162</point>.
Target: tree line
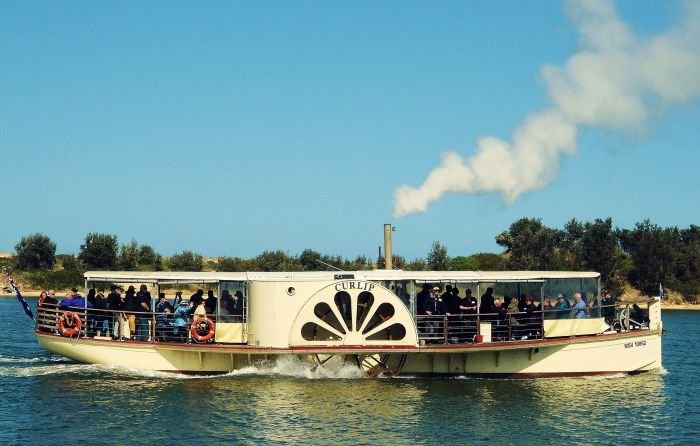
<point>644,257</point>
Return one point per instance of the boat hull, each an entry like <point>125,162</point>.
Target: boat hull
<point>632,352</point>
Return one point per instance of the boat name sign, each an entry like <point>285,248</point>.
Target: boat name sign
<point>354,285</point>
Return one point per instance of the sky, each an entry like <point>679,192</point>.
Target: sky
<point>230,128</point>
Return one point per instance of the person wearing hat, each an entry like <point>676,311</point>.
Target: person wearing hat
<point>181,314</point>
<point>562,307</point>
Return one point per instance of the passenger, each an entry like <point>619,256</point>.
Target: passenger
<point>468,304</point>
<point>487,302</point>
<point>210,303</point>
<point>163,325</point>
<point>42,297</point>
<point>548,308</point>
<point>180,323</point>
<point>227,304</point>
<point>452,302</point>
<point>512,315</point>
<point>143,300</point>
<point>578,311</point>
<point>562,307</point>
<point>238,303</point>
<point>130,305</point>
<point>639,316</point>
<point>531,318</point>
<point>421,297</point>
<point>608,307</point>
<point>114,308</point>
<point>522,303</point>
<point>447,299</point>
<point>91,315</point>
<point>200,310</point>
<point>50,300</point>
<point>435,306</point>
<point>498,322</point>
<point>197,297</point>
<point>47,303</point>
<point>74,300</point>
<point>100,304</point>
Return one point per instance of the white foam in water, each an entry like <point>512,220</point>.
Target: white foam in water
<point>604,377</point>
<point>291,366</point>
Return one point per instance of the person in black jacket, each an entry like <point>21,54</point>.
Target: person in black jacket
<point>114,307</point>
<point>143,306</point>
<point>131,305</point>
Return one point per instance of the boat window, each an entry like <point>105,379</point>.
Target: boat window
<point>233,301</point>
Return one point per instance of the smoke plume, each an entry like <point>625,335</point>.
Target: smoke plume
<point>612,82</point>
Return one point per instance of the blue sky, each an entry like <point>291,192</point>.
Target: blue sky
<point>231,128</point>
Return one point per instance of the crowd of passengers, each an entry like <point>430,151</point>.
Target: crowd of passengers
<point>126,314</point>
<point>513,318</point>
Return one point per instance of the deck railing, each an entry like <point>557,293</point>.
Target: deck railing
<point>467,328</point>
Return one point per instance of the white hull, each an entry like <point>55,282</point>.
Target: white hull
<point>634,352</point>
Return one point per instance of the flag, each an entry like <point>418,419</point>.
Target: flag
<point>25,305</point>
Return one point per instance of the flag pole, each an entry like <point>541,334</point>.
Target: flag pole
<point>25,305</point>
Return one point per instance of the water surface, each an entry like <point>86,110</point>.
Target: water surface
<point>47,399</point>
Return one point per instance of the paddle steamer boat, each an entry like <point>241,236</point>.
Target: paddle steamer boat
<point>366,318</point>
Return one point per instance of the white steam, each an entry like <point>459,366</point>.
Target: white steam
<point>611,82</point>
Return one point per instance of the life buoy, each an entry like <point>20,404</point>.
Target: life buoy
<point>203,329</point>
<point>69,324</point>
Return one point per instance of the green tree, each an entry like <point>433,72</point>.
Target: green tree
<point>99,251</point>
<point>653,253</point>
<point>487,261</point>
<point>310,260</point>
<point>598,250</point>
<point>276,261</point>
<point>69,262</point>
<point>234,264</point>
<point>359,263</point>
<point>148,256</point>
<point>687,272</point>
<point>186,261</point>
<point>531,245</point>
<point>437,258</point>
<point>463,263</point>
<point>129,257</point>
<point>36,251</point>
<point>416,265</point>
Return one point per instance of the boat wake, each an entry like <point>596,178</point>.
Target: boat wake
<point>291,366</point>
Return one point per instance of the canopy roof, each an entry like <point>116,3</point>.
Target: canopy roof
<point>419,276</point>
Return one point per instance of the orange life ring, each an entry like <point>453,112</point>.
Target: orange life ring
<point>69,324</point>
<point>203,329</point>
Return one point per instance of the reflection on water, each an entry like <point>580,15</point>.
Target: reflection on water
<point>288,402</point>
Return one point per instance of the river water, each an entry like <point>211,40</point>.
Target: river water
<point>45,399</point>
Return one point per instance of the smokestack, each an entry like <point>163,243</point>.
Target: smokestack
<point>388,255</point>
